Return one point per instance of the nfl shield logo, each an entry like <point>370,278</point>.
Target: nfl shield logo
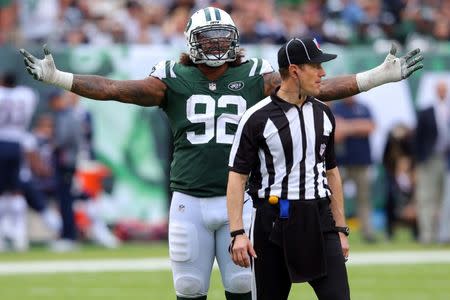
<point>317,44</point>
<point>212,86</point>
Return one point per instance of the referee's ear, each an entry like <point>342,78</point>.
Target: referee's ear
<point>294,72</point>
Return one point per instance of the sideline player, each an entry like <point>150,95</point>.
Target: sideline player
<point>204,96</point>
<point>17,105</point>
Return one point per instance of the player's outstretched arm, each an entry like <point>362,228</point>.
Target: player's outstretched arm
<point>145,92</point>
<point>391,70</point>
<point>331,89</point>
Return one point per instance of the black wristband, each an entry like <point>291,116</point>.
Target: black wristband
<point>237,232</point>
<point>344,229</point>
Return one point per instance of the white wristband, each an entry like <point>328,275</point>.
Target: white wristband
<point>368,79</point>
<point>389,71</point>
<point>63,80</point>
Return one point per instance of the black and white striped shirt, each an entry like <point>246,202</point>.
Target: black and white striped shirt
<point>285,148</point>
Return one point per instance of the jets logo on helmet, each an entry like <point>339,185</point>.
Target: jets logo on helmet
<point>212,37</point>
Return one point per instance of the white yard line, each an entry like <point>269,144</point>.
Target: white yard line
<point>87,266</point>
<point>399,257</point>
<point>162,264</point>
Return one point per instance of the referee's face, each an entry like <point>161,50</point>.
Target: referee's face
<point>310,78</point>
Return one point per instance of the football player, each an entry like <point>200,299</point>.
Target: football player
<point>17,106</point>
<point>204,96</point>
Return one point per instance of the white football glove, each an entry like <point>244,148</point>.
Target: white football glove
<point>392,69</point>
<point>45,69</point>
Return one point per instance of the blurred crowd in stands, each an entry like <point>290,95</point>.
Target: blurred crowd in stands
<point>415,163</point>
<point>104,22</point>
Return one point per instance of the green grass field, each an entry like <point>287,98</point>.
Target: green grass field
<point>417,282</point>
<point>411,281</point>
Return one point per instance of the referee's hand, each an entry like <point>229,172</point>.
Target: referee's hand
<point>242,248</point>
<point>345,245</point>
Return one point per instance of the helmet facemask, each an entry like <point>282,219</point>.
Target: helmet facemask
<point>214,45</point>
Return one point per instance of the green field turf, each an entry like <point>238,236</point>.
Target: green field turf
<point>160,249</point>
<point>399,282</point>
<point>406,282</point>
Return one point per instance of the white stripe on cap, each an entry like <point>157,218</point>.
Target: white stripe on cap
<point>287,53</point>
<point>307,54</point>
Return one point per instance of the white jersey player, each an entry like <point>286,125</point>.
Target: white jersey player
<point>17,106</point>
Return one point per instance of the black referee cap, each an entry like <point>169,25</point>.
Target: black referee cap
<point>302,51</point>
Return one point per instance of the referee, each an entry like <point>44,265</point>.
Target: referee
<point>284,149</point>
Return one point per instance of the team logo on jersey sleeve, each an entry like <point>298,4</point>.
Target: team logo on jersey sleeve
<point>212,86</point>
<point>236,85</point>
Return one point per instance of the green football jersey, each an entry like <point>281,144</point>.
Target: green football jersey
<point>204,115</point>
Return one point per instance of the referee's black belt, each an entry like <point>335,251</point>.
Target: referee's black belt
<point>258,202</point>
<point>327,223</point>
